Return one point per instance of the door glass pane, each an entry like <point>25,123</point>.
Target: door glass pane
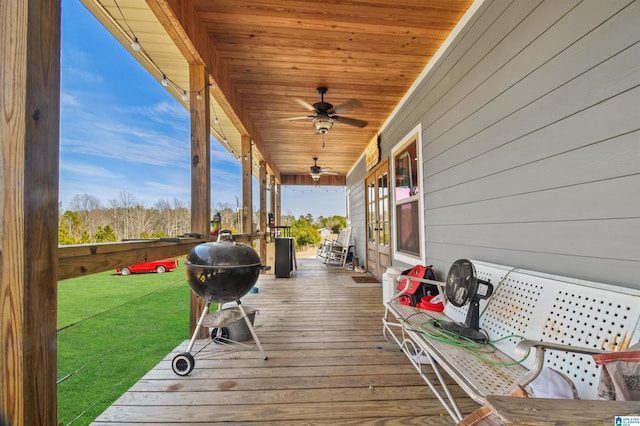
<point>384,209</point>
<point>384,193</point>
<point>371,212</point>
<point>384,233</point>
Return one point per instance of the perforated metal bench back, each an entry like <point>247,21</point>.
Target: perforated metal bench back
<point>560,310</point>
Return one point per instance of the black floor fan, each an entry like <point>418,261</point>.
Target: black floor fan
<point>464,287</point>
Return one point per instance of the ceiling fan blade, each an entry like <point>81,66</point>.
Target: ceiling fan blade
<point>325,172</point>
<point>351,121</point>
<point>354,103</point>
<point>305,104</point>
<point>296,118</point>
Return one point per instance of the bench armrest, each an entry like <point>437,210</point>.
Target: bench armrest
<point>441,285</point>
<point>524,346</point>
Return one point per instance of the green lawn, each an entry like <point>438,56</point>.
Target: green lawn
<point>111,331</point>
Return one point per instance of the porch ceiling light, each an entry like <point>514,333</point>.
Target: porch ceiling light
<point>322,123</point>
<point>315,177</point>
<point>135,45</point>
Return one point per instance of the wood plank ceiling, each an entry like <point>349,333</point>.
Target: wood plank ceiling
<point>265,56</point>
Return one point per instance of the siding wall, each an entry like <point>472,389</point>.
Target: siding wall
<point>531,140</point>
<point>355,183</point>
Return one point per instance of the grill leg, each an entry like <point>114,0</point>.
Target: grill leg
<point>250,326</point>
<point>200,321</point>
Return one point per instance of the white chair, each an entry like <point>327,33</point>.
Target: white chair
<point>338,251</point>
<point>325,246</point>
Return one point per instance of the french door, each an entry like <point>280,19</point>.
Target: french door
<point>378,219</point>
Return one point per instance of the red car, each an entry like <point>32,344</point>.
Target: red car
<point>158,266</point>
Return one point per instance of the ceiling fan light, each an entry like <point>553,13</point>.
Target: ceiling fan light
<point>322,123</point>
<point>315,176</point>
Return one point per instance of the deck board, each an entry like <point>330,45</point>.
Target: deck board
<point>328,364</point>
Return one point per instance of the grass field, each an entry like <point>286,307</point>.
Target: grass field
<point>112,330</point>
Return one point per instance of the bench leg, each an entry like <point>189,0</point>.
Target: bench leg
<point>413,354</point>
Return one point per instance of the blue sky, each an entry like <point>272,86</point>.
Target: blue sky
<point>121,131</point>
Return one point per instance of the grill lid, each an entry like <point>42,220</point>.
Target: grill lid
<point>223,255</point>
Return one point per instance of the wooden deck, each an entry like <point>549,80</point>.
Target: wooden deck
<point>328,365</point>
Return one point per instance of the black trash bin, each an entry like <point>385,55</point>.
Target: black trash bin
<point>285,251</point>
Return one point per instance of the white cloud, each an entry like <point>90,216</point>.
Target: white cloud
<point>128,143</point>
<point>85,76</point>
<point>165,114</point>
<point>69,100</point>
<point>87,170</point>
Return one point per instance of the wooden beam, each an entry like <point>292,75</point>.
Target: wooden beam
<point>247,186</point>
<point>200,151</point>
<point>200,171</point>
<point>262,176</point>
<point>86,259</point>
<point>190,48</point>
<point>325,180</point>
<point>272,193</point>
<point>278,209</point>
<point>180,20</point>
<point>29,131</point>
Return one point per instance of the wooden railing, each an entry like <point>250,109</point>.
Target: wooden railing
<point>85,259</point>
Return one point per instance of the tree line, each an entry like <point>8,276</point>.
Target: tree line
<point>86,220</point>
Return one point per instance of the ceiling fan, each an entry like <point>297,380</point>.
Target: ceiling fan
<point>317,171</point>
<point>324,114</point>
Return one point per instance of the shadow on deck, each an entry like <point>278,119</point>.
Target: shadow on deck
<point>328,365</point>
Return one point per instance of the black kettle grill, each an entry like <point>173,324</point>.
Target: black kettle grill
<point>222,271</point>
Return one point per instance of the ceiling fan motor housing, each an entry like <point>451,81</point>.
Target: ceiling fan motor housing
<point>317,171</point>
<point>325,115</point>
<point>322,122</point>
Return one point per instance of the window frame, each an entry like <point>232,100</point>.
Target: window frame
<point>414,135</point>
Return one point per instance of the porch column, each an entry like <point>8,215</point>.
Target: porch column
<point>278,209</point>
<point>247,207</point>
<point>272,194</point>
<point>263,210</point>
<point>29,131</point>
<point>200,170</point>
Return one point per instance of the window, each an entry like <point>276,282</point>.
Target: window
<point>407,201</point>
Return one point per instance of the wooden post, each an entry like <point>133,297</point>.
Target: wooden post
<point>200,170</point>
<point>263,211</point>
<point>272,195</point>
<point>278,208</point>
<point>29,134</point>
<point>247,185</point>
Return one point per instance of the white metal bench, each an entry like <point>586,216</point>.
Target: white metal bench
<point>574,319</point>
